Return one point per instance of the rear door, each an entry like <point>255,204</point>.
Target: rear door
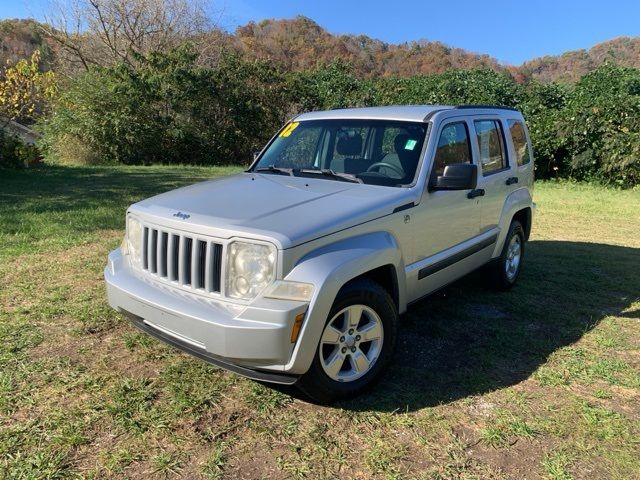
<point>496,177</point>
<point>520,150</point>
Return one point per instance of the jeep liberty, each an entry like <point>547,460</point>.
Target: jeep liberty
<point>296,270</point>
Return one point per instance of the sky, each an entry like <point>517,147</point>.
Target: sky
<point>511,31</point>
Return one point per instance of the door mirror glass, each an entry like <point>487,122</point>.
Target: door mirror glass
<point>456,176</point>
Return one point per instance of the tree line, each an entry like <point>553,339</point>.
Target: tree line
<point>170,109</point>
<point>158,90</point>
<point>296,44</point>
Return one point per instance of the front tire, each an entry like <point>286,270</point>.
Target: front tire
<point>356,344</point>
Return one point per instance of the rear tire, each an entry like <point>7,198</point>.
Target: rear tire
<point>506,269</point>
<point>356,344</point>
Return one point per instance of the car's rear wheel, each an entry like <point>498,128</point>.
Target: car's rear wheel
<point>507,267</point>
<point>357,342</point>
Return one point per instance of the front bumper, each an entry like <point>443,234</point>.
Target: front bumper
<point>252,340</point>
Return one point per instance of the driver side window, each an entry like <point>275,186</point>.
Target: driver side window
<point>453,147</point>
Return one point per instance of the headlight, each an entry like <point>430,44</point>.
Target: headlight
<point>134,240</point>
<point>250,269</point>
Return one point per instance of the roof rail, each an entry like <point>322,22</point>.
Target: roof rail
<point>500,107</point>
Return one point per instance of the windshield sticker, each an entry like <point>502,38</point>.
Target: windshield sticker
<point>410,145</point>
<point>289,128</point>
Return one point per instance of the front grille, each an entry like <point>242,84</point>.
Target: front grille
<point>192,262</point>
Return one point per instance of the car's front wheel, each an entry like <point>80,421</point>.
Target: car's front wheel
<point>356,344</point>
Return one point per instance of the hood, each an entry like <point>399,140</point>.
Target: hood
<point>289,210</point>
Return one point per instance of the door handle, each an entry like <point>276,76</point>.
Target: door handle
<point>511,180</point>
<point>478,192</point>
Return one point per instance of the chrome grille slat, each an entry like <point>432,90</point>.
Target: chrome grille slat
<point>171,266</point>
<point>193,262</point>
<point>208,267</point>
<point>180,263</point>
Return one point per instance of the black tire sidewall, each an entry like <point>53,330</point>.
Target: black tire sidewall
<point>315,382</point>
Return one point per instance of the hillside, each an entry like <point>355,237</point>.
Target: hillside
<point>300,43</point>
<point>570,66</point>
<point>19,38</point>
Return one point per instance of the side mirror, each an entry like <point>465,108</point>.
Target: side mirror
<point>457,176</point>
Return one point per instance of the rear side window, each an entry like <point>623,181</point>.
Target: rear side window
<point>520,143</point>
<point>453,147</point>
<point>491,146</point>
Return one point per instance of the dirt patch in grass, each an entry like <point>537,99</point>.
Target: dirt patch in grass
<point>256,460</point>
<point>513,461</point>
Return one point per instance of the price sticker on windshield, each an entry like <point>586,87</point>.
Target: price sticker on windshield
<point>289,129</point>
<point>410,145</point>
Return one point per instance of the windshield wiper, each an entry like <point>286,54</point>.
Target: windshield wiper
<point>274,169</point>
<point>327,172</point>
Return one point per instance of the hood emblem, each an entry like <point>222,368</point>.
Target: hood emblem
<point>181,215</point>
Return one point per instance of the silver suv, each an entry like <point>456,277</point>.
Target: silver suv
<point>296,271</point>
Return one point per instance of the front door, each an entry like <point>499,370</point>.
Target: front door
<point>444,219</point>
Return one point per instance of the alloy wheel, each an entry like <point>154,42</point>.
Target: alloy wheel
<point>514,253</point>
<point>351,343</point>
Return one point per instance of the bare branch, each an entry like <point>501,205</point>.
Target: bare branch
<point>101,32</point>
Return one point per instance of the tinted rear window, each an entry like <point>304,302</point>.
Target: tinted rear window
<point>491,146</point>
<point>520,143</point>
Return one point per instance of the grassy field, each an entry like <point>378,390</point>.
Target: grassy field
<point>540,382</point>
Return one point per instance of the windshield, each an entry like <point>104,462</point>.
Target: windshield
<point>381,152</point>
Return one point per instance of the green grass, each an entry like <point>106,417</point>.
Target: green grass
<point>539,382</point>
<point>556,465</point>
<point>51,208</point>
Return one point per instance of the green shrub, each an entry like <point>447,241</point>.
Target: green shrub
<point>168,110</point>
<point>99,111</point>
<point>15,153</point>
<point>329,86</point>
<point>602,125</point>
<point>68,149</point>
<point>542,106</point>
<point>171,109</point>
